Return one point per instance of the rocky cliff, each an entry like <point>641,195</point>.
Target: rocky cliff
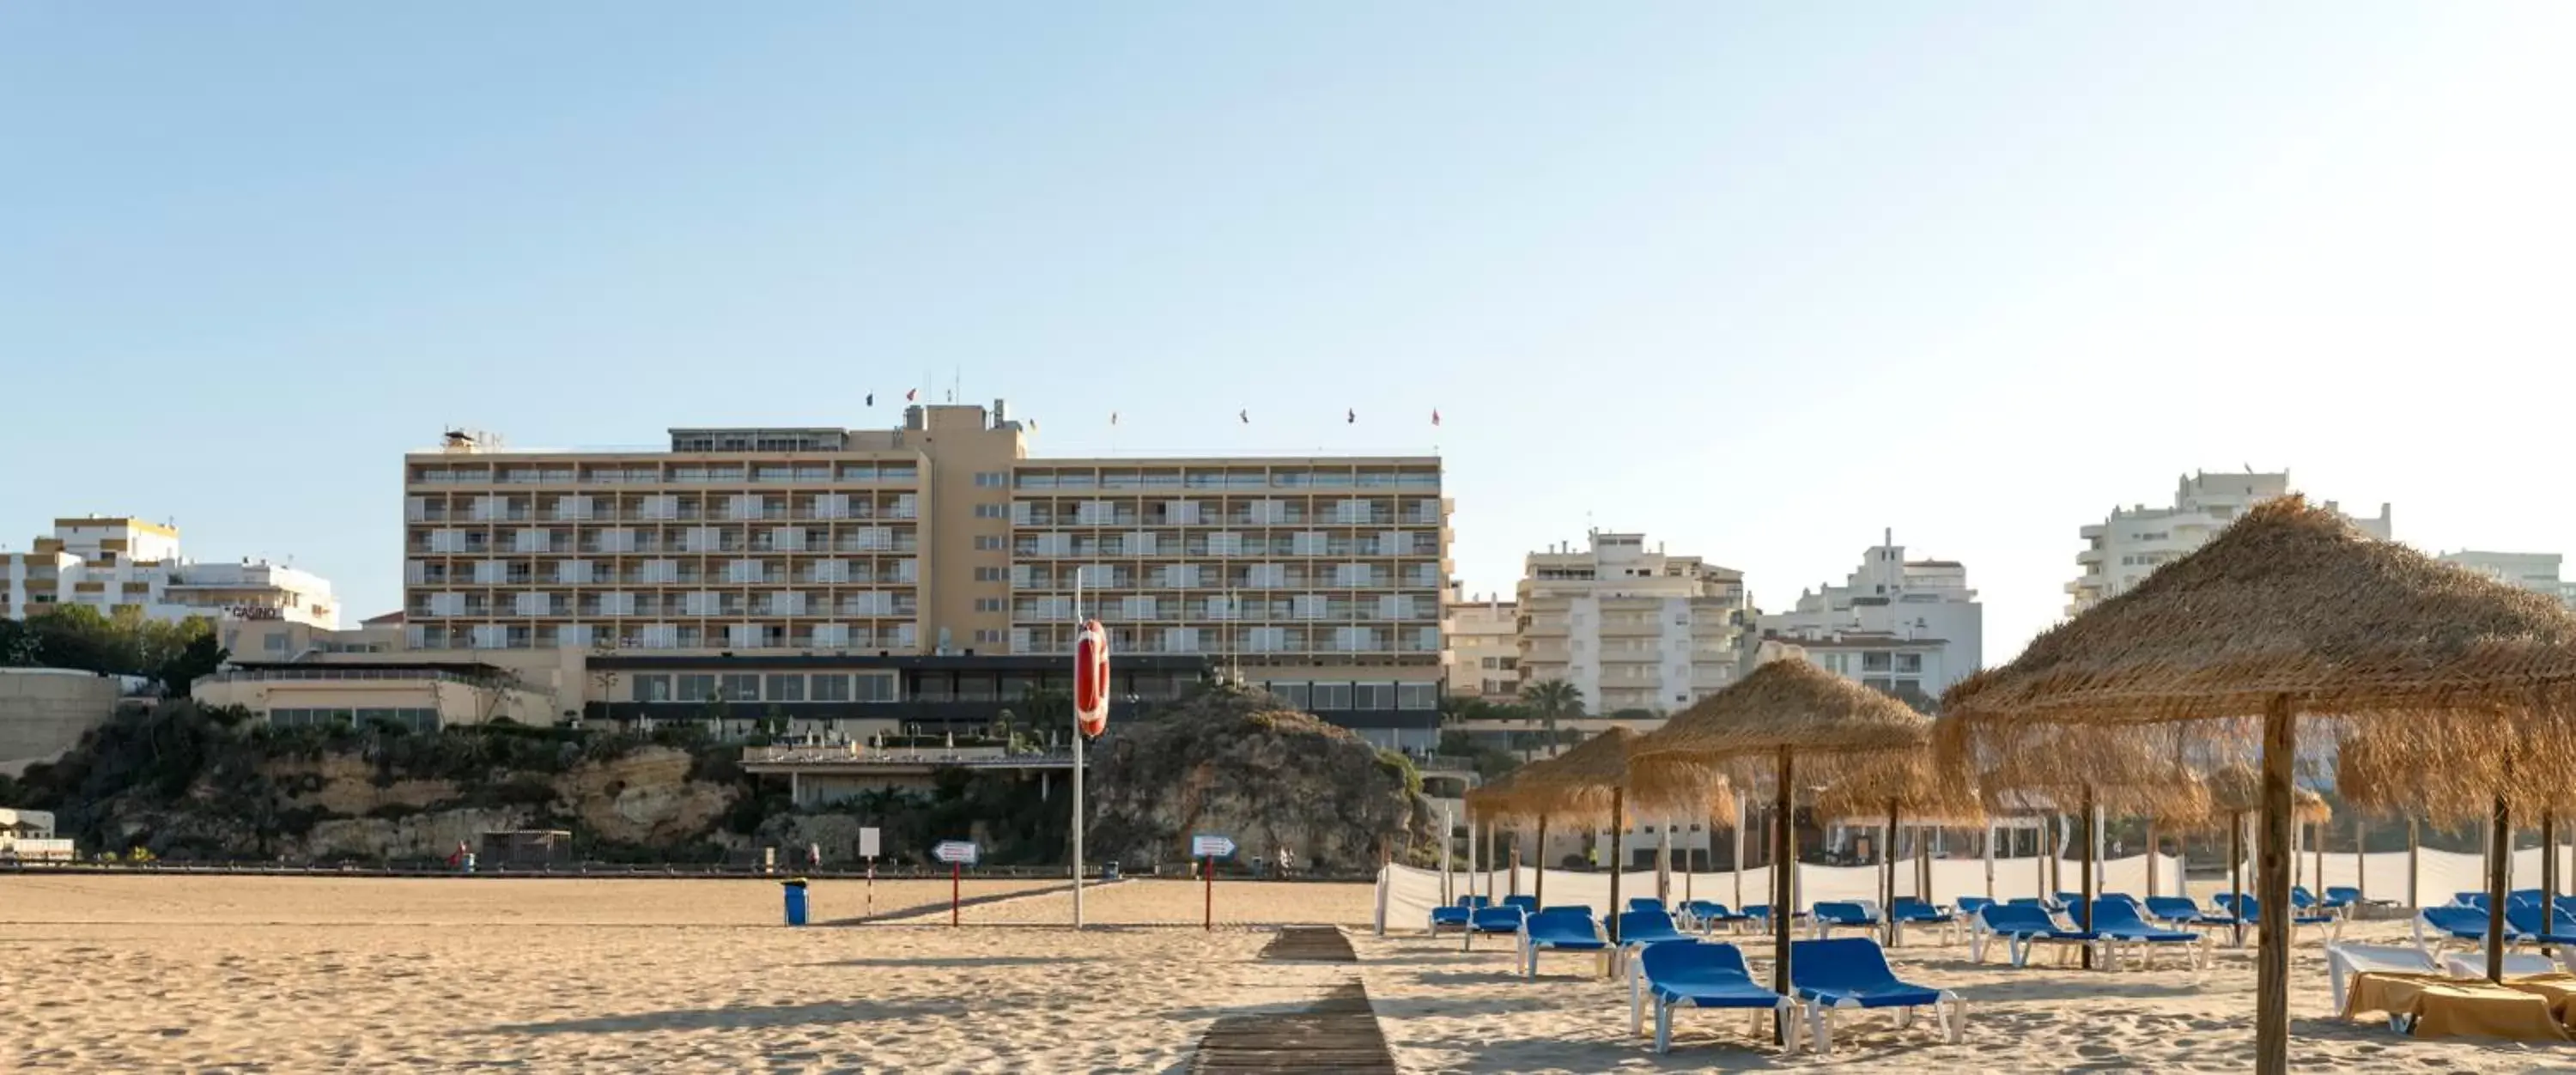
<point>1240,763</point>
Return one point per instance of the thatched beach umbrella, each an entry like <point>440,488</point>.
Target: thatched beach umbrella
<point>2124,775</point>
<point>2237,790</point>
<point>2289,612</point>
<point>1491,803</point>
<point>1594,784</point>
<point>1788,712</point>
<point>1899,786</point>
<point>2457,780</point>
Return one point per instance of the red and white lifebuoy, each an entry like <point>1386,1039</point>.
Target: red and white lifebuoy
<point>1091,678</point>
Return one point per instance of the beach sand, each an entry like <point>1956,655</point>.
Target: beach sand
<point>306,974</point>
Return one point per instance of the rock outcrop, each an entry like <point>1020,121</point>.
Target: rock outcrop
<point>1241,763</point>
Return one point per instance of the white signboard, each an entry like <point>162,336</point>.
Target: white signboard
<point>956,851</point>
<point>1207,845</point>
<point>868,843</point>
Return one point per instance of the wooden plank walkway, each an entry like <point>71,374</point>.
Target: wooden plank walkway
<point>1336,1032</point>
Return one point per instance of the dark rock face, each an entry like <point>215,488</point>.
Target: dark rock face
<point>1240,763</point>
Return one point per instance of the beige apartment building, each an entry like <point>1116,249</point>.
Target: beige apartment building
<point>941,545</point>
<point>1484,647</point>
<point>1632,628</point>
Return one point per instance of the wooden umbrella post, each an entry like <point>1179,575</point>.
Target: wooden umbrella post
<point>2360,863</point>
<point>2155,858</point>
<point>1887,858</point>
<point>1617,801</point>
<point>1512,880</point>
<point>2084,914</point>
<point>2236,875</point>
<point>1784,857</point>
<point>2548,869</point>
<point>2272,877</point>
<point>1538,877</point>
<point>2500,855</point>
<point>2414,845</point>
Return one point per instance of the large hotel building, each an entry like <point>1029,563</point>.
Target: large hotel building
<point>936,562</point>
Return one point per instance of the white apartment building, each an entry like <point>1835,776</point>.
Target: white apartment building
<point>109,563</point>
<point>1908,627</point>
<point>2121,550</point>
<point>2534,571</point>
<point>1484,647</point>
<point>1629,627</point>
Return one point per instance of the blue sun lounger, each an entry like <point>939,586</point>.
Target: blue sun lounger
<point>2116,919</point>
<point>1555,930</point>
<point>2252,909</point>
<point>1527,904</point>
<point>2524,919</point>
<point>1702,975</point>
<point>1647,903</point>
<point>1842,914</point>
<point>2465,925</point>
<point>2181,911</point>
<point>1457,914</point>
<point>1639,929</point>
<point>2023,928</point>
<point>1909,911</point>
<point>1707,915</point>
<point>1851,974</point>
<point>1491,921</point>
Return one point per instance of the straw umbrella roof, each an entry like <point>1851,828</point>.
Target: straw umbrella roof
<point>2290,600</point>
<point>1492,800</point>
<point>1906,782</point>
<point>2238,789</point>
<point>1790,705</point>
<point>1577,785</point>
<point>2293,602</point>
<point>2398,771</point>
<point>2127,772</point>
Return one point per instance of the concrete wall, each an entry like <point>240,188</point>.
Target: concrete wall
<point>43,712</point>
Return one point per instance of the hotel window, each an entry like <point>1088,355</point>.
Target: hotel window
<point>988,574</point>
<point>786,688</point>
<point>873,688</point>
<point>830,688</point>
<point>742,688</point>
<point>1417,696</point>
<point>696,687</point>
<point>898,472</point>
<point>1292,693</point>
<point>992,511</point>
<point>1875,661</point>
<point>1909,662</point>
<point>991,479</point>
<point>651,689</point>
<point>988,542</point>
<point>988,637</point>
<point>1332,696</point>
<point>988,604</point>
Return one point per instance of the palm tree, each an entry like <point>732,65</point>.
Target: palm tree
<point>1553,698</point>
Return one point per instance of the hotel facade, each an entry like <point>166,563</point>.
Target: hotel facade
<point>934,563</point>
<point>2120,551</point>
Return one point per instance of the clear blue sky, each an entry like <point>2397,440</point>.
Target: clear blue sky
<point>1758,279</point>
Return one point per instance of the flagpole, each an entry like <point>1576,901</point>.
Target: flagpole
<point>1077,764</point>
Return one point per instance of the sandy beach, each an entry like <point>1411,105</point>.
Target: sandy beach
<point>305,974</point>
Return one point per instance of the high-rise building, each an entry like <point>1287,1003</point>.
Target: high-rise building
<point>113,563</point>
<point>1632,629</point>
<point>2534,571</point>
<point>1910,628</point>
<point>939,540</point>
<point>2120,551</point>
<point>1484,649</point>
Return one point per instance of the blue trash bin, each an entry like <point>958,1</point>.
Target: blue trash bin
<point>795,901</point>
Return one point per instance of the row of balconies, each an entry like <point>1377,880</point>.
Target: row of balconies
<point>603,513</point>
<point>600,575</point>
<point>1183,612</point>
<point>645,544</point>
<point>1294,642</point>
<point>549,637</point>
<point>646,605</point>
<point>1196,546</point>
<point>1152,517</point>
